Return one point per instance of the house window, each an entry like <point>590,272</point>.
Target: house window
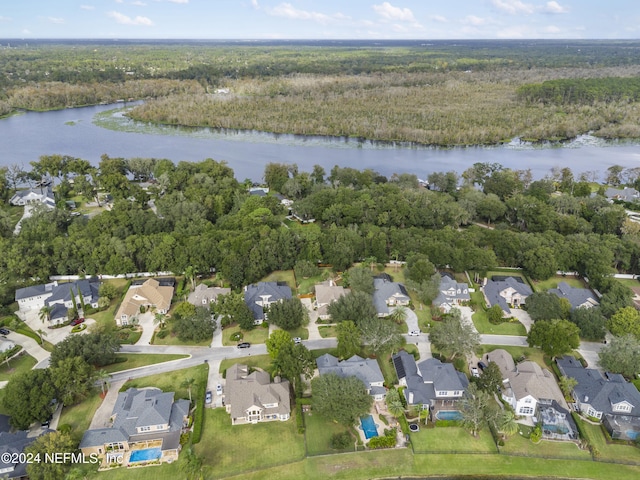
<point>622,407</point>
<point>145,429</point>
<point>527,400</point>
<point>526,411</point>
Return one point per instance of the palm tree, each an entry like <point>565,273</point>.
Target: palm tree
<point>45,313</point>
<point>507,424</point>
<point>372,261</point>
<point>41,333</point>
<point>190,275</point>
<point>394,404</point>
<point>160,319</point>
<point>567,384</point>
<point>103,376</point>
<point>189,382</point>
<point>399,314</point>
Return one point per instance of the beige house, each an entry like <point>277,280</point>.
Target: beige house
<point>203,295</point>
<point>327,293</point>
<point>252,398</point>
<point>150,294</point>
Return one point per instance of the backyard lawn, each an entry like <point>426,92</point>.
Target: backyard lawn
<point>257,335</point>
<point>609,451</point>
<point>282,276</point>
<point>230,450</point>
<point>135,360</point>
<point>451,439</point>
<point>16,366</point>
<point>544,285</point>
<point>519,445</point>
<point>318,433</point>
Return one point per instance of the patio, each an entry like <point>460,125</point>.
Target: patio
<point>557,425</point>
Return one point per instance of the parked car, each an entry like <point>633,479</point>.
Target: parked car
<point>414,333</point>
<point>475,372</point>
<point>219,389</point>
<point>482,365</point>
<point>297,340</point>
<point>77,321</point>
<point>4,331</point>
<point>208,397</point>
<point>244,345</point>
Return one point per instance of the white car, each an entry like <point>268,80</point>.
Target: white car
<point>475,372</point>
<point>219,389</point>
<point>414,333</point>
<point>297,340</point>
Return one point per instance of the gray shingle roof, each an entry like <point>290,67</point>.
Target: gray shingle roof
<point>385,290</point>
<point>273,290</point>
<point>33,291</point>
<point>443,376</point>
<point>448,286</point>
<point>576,296</point>
<point>366,370</point>
<point>493,289</point>
<point>417,392</point>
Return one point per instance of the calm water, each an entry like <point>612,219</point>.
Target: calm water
<point>23,138</point>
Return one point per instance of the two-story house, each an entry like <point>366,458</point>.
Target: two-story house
<point>388,294</point>
<point>609,398</point>
<point>251,397</point>
<point>327,293</point>
<point>452,293</point>
<point>259,296</point>
<point>145,426</point>
<point>150,293</point>
<point>365,369</point>
<point>507,292</point>
<point>202,295</point>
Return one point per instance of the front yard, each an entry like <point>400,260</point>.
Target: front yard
<point>481,320</point>
<point>135,360</point>
<point>16,366</point>
<point>257,335</point>
<point>79,416</point>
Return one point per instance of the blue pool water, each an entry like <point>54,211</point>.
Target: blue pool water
<point>368,427</point>
<point>632,434</point>
<point>146,454</point>
<point>449,415</point>
<point>560,429</point>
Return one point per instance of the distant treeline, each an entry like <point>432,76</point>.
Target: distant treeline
<point>582,90</point>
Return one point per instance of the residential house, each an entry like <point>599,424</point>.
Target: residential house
<point>388,294</point>
<point>13,465</point>
<point>327,293</point>
<point>452,293</point>
<point>430,384</point>
<point>526,385</point>
<point>577,297</point>
<point>203,295</point>
<point>626,194</point>
<point>150,293</point>
<point>253,398</point>
<point>507,292</point>
<point>259,296</point>
<point>609,398</point>
<point>42,195</point>
<point>367,370</point>
<point>284,201</point>
<point>145,426</point>
<point>60,297</point>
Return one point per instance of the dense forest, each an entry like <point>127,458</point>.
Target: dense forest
<point>438,93</point>
<point>206,219</point>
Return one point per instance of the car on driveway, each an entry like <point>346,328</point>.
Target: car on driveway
<point>475,372</point>
<point>482,365</point>
<point>77,321</point>
<point>414,333</point>
<point>297,340</point>
<point>4,331</point>
<point>219,389</point>
<point>244,345</point>
<point>208,398</point>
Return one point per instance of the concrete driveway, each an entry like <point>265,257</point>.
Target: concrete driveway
<point>589,350</point>
<point>51,335</point>
<point>145,321</point>
<point>523,317</point>
<point>466,316</point>
<point>32,347</point>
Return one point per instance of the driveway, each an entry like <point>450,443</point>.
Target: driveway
<point>466,316</point>
<point>51,335</point>
<point>103,413</point>
<point>589,351</point>
<point>32,347</point>
<point>411,320</point>
<point>523,317</point>
<point>145,321</point>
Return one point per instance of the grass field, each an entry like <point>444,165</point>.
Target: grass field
<point>451,439</point>
<point>519,445</point>
<point>79,416</point>
<point>232,449</point>
<point>282,276</point>
<point>318,433</point>
<point>327,331</point>
<point>172,339</point>
<point>16,366</point>
<point>135,360</point>
<point>609,451</point>
<point>481,320</point>
<point>257,335</point>
<point>544,285</point>
<point>171,381</point>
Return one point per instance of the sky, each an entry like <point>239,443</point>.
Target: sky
<point>326,19</point>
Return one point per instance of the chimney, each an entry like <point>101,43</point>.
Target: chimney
<point>586,398</point>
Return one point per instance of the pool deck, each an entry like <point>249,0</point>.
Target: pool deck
<point>380,426</point>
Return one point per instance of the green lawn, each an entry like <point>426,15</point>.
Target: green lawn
<point>233,449</point>
<point>282,276</point>
<point>255,361</point>
<point>609,451</point>
<point>79,416</point>
<point>451,439</point>
<point>306,285</point>
<point>318,433</point>
<point>135,360</point>
<point>171,381</point>
<point>327,331</point>
<point>544,285</point>
<point>301,332</point>
<point>531,354</point>
<point>16,366</point>
<point>388,371</point>
<point>172,339</point>
<point>628,282</point>
<point>481,320</point>
<point>519,445</point>
<point>257,335</point>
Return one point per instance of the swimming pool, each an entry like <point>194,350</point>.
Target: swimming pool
<point>368,427</point>
<point>145,455</point>
<point>448,415</point>
<point>559,429</point>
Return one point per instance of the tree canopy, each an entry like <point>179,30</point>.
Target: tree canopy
<point>28,398</point>
<point>453,336</point>
<point>97,348</point>
<point>621,355</point>
<point>341,399</point>
<point>554,337</point>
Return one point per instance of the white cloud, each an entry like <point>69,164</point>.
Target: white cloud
<point>287,10</point>
<point>389,12</point>
<point>56,20</point>
<point>138,3</point>
<point>254,4</point>
<point>119,1</point>
<point>178,1</point>
<point>87,7</point>
<point>125,20</point>
<point>438,18</point>
<point>474,20</point>
<point>5,19</point>
<point>554,7</point>
<point>513,6</point>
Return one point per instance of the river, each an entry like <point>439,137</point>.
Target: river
<point>89,132</point>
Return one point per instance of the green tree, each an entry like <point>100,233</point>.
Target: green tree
<point>294,362</point>
<point>567,384</point>
<point>27,397</point>
<point>191,465</point>
<point>276,175</point>
<point>419,269</point>
<point>45,313</point>
<point>625,321</point>
<point>544,306</point>
<point>50,443</point>
<point>490,379</point>
<point>355,306</point>
<point>73,379</point>
<point>590,321</point>
<point>453,336</point>
<point>232,309</point>
<point>615,296</point>
<point>103,377</point>
<point>491,208</point>
<point>360,280</point>
<point>398,315</point>
<point>349,339</point>
<point>495,314</point>
<point>96,348</point>
<point>276,341</point>
<point>394,404</point>
<point>288,314</point>
<point>188,383</point>
<point>554,337</point>
<point>506,423</point>
<point>108,290</point>
<point>196,328</point>
<point>341,399</point>
<point>380,335</point>
<point>621,355</point>
<point>477,408</point>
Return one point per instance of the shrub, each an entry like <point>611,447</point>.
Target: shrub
<point>299,418</point>
<point>388,440</point>
<point>162,333</point>
<point>536,434</point>
<point>340,441</point>
<point>236,337</point>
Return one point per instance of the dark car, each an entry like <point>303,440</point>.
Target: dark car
<point>4,331</point>
<point>77,321</point>
<point>244,345</point>
<point>482,365</point>
<point>208,398</point>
